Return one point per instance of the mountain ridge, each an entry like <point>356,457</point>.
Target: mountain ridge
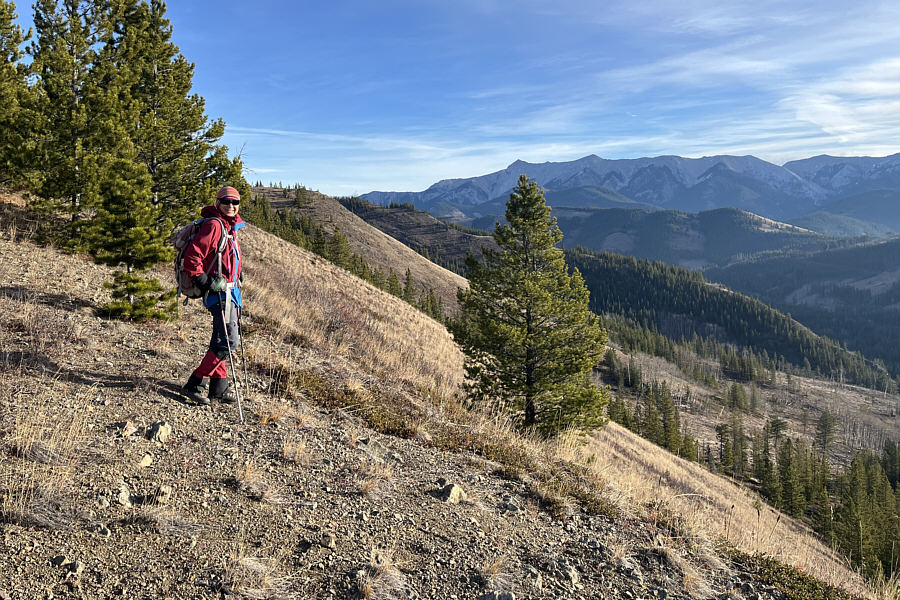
<point>747,182</point>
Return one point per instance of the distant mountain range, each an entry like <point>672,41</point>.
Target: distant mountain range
<point>822,192</point>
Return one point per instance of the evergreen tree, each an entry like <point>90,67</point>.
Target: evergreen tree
<point>792,493</point>
<point>726,448</point>
<point>890,461</point>
<point>13,90</point>
<point>671,420</point>
<point>688,448</point>
<point>652,427</point>
<point>777,427</point>
<point>393,284</point>
<point>70,109</point>
<point>825,427</point>
<point>173,137</point>
<point>124,233</point>
<point>530,340</point>
<point>338,249</point>
<point>738,444</point>
<point>737,397</point>
<point>409,288</point>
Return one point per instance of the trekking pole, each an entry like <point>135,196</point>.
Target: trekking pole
<point>237,391</point>
<point>240,313</point>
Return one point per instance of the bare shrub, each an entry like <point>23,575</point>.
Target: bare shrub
<point>166,522</point>
<point>381,579</point>
<point>254,577</point>
<point>254,483</point>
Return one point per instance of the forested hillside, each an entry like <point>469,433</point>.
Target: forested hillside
<point>850,294</point>
<point>692,240</point>
<point>444,243</point>
<point>680,304</point>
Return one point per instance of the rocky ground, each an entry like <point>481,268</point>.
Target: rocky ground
<point>113,486</point>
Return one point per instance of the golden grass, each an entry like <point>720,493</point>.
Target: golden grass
<point>253,481</point>
<point>496,574</point>
<point>254,577</point>
<point>381,579</point>
<point>639,473</point>
<point>294,450</point>
<point>373,478</point>
<point>35,488</point>
<point>313,304</point>
<point>379,249</point>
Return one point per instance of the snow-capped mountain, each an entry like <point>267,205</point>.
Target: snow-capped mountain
<point>671,182</point>
<point>853,174</point>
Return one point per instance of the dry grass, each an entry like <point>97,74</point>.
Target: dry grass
<point>379,249</point>
<point>255,484</point>
<point>254,577</point>
<point>708,506</point>
<point>36,488</point>
<point>374,476</point>
<point>274,413</point>
<point>312,304</point>
<point>381,579</point>
<point>496,574</point>
<point>166,522</point>
<point>294,450</point>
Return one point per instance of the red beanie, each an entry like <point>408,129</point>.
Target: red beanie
<point>228,192</point>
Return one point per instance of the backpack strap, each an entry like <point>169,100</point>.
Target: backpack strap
<point>223,241</point>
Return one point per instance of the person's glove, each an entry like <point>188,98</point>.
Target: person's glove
<point>207,284</point>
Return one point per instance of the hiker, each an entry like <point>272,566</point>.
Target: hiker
<point>219,280</point>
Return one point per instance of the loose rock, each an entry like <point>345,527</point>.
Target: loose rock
<point>453,494</point>
<point>159,432</point>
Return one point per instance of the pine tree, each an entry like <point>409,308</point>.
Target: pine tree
<point>688,449</point>
<point>890,461</point>
<point>792,496</point>
<point>124,233</point>
<point>70,133</point>
<point>530,340</point>
<point>652,426</point>
<point>409,288</point>
<point>393,284</point>
<point>825,427</point>
<point>13,123</point>
<point>726,448</point>
<point>338,249</point>
<point>172,136</point>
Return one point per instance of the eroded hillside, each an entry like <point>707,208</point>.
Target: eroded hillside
<point>357,473</point>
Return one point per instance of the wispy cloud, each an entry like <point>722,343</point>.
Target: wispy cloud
<point>491,82</point>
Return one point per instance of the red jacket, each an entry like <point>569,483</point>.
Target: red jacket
<point>200,255</point>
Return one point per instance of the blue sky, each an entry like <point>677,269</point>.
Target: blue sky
<point>352,96</point>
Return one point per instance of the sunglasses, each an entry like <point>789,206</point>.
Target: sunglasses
<point>228,201</point>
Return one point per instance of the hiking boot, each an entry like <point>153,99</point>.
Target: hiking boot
<point>219,390</point>
<point>193,390</point>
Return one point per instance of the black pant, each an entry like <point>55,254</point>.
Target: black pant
<point>222,336</point>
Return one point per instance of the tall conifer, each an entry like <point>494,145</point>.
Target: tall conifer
<point>69,122</point>
<point>530,340</point>
<point>12,94</point>
<point>172,135</point>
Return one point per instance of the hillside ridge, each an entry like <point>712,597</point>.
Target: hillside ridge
<point>334,486</point>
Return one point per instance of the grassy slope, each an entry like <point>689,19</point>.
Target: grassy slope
<point>379,249</point>
<point>418,229</point>
<point>331,358</point>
